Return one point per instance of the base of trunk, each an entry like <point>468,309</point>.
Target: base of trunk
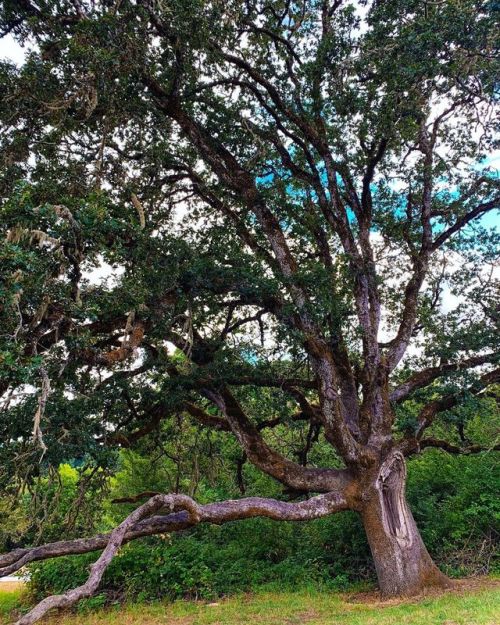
<point>403,564</point>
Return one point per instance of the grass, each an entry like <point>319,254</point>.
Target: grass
<point>474,602</point>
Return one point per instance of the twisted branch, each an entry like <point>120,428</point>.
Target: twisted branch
<point>184,513</point>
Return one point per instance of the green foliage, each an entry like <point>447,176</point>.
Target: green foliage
<point>14,522</point>
<point>84,131</point>
<point>259,184</point>
<point>64,501</point>
<point>215,561</point>
<point>455,503</point>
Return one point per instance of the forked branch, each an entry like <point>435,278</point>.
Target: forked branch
<point>184,513</point>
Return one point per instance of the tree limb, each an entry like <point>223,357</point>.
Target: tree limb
<point>454,449</point>
<point>185,513</point>
<point>425,377</point>
<point>464,220</point>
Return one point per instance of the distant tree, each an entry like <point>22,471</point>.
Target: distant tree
<point>287,193</point>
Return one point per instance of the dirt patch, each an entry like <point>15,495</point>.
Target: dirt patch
<point>301,617</point>
<point>460,586</point>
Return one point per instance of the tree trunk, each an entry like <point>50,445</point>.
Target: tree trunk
<point>403,564</point>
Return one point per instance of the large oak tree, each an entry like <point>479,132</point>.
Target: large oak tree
<point>294,197</point>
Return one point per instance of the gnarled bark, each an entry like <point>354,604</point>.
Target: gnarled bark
<point>402,562</point>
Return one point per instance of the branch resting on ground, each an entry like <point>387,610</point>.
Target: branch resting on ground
<point>185,513</point>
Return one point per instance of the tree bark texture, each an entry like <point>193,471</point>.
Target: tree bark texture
<point>402,562</point>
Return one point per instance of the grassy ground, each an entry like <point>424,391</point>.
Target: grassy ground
<point>474,602</point>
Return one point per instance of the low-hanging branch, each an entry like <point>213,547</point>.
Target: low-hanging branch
<point>217,513</point>
<point>184,513</point>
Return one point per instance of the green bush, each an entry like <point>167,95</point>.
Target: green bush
<point>211,561</point>
<point>455,503</point>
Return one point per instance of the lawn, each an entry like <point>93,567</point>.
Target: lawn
<point>474,602</point>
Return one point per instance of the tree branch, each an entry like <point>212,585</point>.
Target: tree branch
<point>185,513</point>
<point>425,377</point>
<point>267,459</point>
<point>464,220</point>
<point>454,449</point>
<point>430,410</point>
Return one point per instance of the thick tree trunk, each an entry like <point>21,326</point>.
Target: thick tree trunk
<point>403,564</point>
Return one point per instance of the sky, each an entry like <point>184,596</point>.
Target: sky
<point>10,49</point>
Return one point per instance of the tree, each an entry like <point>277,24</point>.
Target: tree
<point>287,192</point>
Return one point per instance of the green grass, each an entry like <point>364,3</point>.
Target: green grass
<point>474,603</point>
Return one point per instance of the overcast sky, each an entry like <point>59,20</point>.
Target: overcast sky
<point>10,49</point>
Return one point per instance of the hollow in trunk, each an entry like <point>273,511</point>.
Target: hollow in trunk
<point>403,564</point>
